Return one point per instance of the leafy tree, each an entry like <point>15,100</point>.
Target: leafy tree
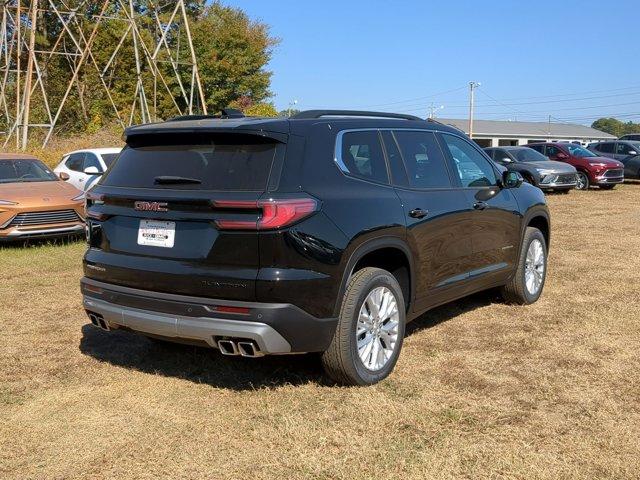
<point>615,126</point>
<point>262,109</point>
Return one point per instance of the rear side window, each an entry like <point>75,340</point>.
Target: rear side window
<point>361,155</point>
<point>217,162</point>
<point>108,158</point>
<point>425,164</point>
<point>75,161</point>
<point>605,147</point>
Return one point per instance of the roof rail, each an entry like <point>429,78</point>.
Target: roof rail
<point>351,113</point>
<point>224,113</point>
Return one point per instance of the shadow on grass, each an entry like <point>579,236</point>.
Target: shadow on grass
<point>209,366</point>
<point>42,242</point>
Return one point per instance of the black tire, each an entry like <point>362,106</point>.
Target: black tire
<point>583,179</point>
<point>516,290</point>
<point>565,191</point>
<point>607,187</point>
<point>528,179</point>
<point>341,360</point>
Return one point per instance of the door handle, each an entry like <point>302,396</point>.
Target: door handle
<point>480,205</point>
<point>418,213</point>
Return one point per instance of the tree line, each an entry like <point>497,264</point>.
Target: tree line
<point>615,126</point>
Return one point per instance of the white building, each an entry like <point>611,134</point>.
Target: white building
<point>493,133</point>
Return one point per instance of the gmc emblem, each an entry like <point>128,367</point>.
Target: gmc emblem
<point>151,206</point>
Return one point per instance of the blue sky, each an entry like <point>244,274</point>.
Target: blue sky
<point>575,60</point>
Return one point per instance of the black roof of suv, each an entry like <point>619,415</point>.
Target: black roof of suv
<point>324,232</point>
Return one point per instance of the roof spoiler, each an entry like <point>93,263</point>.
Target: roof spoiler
<point>309,114</point>
<point>224,113</point>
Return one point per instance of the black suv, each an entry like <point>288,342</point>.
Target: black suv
<point>325,232</point>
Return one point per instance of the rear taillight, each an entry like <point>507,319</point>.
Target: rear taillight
<point>274,213</point>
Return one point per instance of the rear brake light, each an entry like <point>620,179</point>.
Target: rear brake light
<point>274,213</point>
<point>238,310</point>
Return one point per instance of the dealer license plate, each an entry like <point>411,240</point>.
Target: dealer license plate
<point>157,233</point>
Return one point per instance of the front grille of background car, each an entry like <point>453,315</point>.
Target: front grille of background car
<point>566,178</point>
<point>29,219</point>
<point>614,173</point>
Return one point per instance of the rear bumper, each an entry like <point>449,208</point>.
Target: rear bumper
<point>276,328</point>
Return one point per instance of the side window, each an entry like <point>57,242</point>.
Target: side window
<point>75,162</point>
<point>499,155</point>
<point>551,151</point>
<point>605,147</point>
<point>622,149</point>
<point>537,148</point>
<point>473,168</point>
<point>90,160</point>
<point>362,155</point>
<point>423,159</point>
<point>398,173</point>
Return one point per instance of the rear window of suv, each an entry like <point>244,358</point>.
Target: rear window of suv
<point>219,162</point>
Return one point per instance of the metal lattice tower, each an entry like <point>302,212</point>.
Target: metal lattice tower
<point>23,85</point>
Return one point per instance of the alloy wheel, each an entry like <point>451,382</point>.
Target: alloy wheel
<point>534,267</point>
<point>377,328</point>
<point>582,181</point>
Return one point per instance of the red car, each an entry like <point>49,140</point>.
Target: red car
<point>592,169</point>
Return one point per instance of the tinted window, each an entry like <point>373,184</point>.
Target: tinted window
<point>362,155</point>
<point>90,160</point>
<point>108,158</point>
<point>219,162</point>
<point>537,148</point>
<point>75,161</point>
<point>552,151</point>
<point>398,173</point>
<point>473,168</point>
<point>423,159</point>
<point>625,149</point>
<point>12,171</point>
<point>499,155</point>
<point>605,147</point>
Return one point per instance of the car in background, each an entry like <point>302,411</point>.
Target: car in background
<point>535,168</point>
<point>592,169</point>
<point>34,202</point>
<point>83,168</point>
<point>630,136</point>
<point>625,151</point>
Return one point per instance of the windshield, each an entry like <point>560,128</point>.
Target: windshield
<point>578,151</point>
<point>109,158</point>
<point>25,171</point>
<point>528,155</point>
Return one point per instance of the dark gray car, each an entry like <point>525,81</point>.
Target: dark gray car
<point>625,151</point>
<point>535,168</point>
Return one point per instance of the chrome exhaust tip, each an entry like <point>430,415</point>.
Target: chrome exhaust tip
<point>227,347</point>
<point>249,349</point>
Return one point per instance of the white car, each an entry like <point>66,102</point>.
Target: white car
<point>83,168</point>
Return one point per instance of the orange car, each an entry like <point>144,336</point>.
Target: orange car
<point>34,202</point>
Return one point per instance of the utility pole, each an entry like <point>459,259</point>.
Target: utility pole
<point>472,86</point>
<point>27,80</point>
<point>433,109</point>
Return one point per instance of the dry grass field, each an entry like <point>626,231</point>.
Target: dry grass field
<point>482,389</point>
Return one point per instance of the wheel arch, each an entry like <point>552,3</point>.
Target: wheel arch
<point>385,253</point>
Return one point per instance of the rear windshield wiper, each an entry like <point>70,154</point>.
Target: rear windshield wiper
<point>171,180</point>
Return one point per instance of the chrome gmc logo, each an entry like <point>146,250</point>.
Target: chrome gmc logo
<point>151,206</point>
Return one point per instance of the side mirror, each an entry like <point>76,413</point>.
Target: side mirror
<point>92,171</point>
<point>63,176</point>
<point>505,160</point>
<point>562,156</point>
<point>511,179</point>
<point>633,152</point>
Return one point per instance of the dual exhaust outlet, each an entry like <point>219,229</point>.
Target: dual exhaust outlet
<point>99,321</point>
<point>244,348</point>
